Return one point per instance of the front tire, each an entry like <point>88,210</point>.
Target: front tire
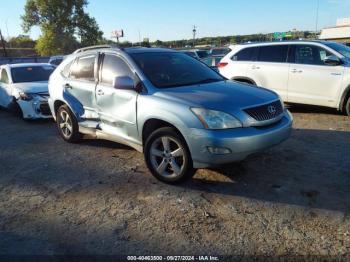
<point>67,125</point>
<point>167,156</point>
<point>16,110</point>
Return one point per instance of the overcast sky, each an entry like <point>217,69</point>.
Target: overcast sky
<point>172,20</point>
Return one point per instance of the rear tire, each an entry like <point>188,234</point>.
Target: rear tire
<point>347,107</point>
<point>168,157</point>
<point>67,125</point>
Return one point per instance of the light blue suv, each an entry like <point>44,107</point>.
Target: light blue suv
<point>179,112</point>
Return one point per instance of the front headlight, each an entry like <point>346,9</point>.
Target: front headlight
<point>25,96</point>
<point>215,119</point>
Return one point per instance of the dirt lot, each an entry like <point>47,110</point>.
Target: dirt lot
<point>98,197</point>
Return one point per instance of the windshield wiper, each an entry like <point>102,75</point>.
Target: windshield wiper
<point>205,81</point>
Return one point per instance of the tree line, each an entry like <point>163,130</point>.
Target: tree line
<point>235,39</point>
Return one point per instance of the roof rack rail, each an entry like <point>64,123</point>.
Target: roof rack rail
<point>88,48</point>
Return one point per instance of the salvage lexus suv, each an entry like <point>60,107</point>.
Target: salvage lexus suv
<point>180,113</point>
<point>301,72</point>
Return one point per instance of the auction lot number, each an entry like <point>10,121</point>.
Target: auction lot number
<point>172,258</point>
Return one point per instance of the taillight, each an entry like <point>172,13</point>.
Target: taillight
<point>222,64</point>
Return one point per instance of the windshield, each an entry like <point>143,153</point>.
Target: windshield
<point>31,73</point>
<point>167,70</point>
<point>202,53</point>
<point>220,51</point>
<point>340,48</point>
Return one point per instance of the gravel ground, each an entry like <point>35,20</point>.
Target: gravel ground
<point>97,197</point>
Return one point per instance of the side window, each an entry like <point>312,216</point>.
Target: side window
<point>246,54</point>
<point>66,69</point>
<point>114,66</point>
<point>273,54</point>
<point>310,55</point>
<point>4,77</point>
<point>83,68</point>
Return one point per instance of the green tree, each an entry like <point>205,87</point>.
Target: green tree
<point>21,41</point>
<point>158,43</point>
<point>64,25</point>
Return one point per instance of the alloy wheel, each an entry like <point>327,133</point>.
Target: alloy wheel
<point>167,157</point>
<point>66,124</point>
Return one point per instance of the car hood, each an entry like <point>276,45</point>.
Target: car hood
<point>226,96</point>
<point>32,87</point>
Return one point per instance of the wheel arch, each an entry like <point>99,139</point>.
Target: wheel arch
<point>153,124</point>
<point>15,106</point>
<point>244,80</point>
<point>58,103</point>
<point>344,98</point>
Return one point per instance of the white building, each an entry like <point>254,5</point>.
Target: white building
<point>338,33</point>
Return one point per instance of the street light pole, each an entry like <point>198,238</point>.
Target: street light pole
<point>317,15</point>
<point>3,44</point>
<point>194,35</point>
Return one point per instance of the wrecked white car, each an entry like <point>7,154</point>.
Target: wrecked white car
<point>24,89</point>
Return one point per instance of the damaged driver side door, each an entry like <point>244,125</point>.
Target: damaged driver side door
<point>116,107</point>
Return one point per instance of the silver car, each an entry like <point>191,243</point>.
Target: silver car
<point>179,112</point>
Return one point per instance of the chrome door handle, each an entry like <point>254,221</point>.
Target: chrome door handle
<point>297,71</point>
<point>255,67</point>
<point>100,92</point>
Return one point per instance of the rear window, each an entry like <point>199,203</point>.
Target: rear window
<point>31,73</point>
<point>245,54</point>
<point>222,51</point>
<point>275,54</point>
<point>66,69</point>
<point>83,68</point>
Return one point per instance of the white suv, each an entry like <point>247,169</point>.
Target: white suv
<point>303,72</point>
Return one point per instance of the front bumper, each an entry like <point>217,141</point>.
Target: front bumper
<point>37,108</point>
<point>238,143</point>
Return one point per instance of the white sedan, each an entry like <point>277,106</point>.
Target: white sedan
<point>24,88</point>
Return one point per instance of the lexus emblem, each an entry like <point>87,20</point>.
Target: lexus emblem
<point>272,110</point>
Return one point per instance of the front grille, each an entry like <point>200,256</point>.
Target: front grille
<point>265,112</point>
<point>45,109</point>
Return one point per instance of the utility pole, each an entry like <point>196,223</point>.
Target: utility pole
<point>3,44</point>
<point>8,35</point>
<point>194,35</point>
<point>317,15</point>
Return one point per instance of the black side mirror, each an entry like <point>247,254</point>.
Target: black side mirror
<point>332,60</point>
<point>123,82</point>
